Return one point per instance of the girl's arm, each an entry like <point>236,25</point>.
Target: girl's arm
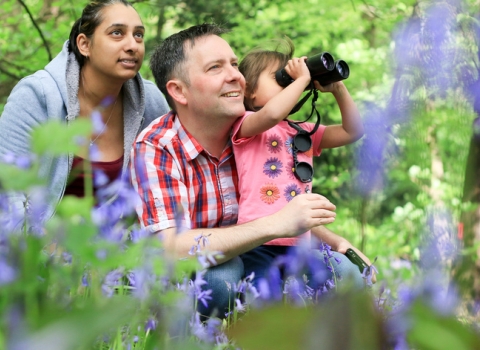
<point>351,128</point>
<point>277,108</point>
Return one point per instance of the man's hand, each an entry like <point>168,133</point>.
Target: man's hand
<point>304,212</point>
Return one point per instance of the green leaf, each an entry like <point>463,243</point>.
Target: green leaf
<point>16,179</point>
<point>94,321</point>
<point>344,321</point>
<point>57,138</point>
<point>437,332</point>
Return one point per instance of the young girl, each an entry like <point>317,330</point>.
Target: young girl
<point>266,155</point>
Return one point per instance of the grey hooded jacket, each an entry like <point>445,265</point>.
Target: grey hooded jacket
<point>51,94</point>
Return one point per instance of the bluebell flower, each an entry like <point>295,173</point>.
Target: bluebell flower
<point>7,273</point>
<point>150,325</point>
<point>23,162</point>
<point>97,121</point>
<point>111,281</point>
<point>67,257</point>
<point>85,280</point>
<point>367,274</point>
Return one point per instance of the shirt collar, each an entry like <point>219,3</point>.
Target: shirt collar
<point>190,145</point>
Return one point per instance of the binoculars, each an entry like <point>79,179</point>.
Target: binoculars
<point>322,67</point>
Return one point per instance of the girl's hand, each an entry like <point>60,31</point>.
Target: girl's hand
<point>333,87</point>
<point>297,68</point>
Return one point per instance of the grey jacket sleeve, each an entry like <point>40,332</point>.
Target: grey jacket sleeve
<point>25,109</point>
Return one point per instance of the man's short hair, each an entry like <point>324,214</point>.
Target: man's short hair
<point>168,59</point>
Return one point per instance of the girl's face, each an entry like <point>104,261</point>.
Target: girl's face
<point>117,49</point>
<point>267,87</point>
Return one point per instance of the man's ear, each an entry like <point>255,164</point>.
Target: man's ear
<point>177,89</point>
<point>83,44</point>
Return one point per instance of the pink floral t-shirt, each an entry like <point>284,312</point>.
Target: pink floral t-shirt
<point>265,171</point>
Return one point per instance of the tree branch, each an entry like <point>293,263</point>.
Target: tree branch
<point>38,29</point>
<point>11,75</point>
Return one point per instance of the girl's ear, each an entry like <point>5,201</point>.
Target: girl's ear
<point>177,91</point>
<point>83,44</point>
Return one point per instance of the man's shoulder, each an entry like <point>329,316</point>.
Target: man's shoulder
<point>160,132</point>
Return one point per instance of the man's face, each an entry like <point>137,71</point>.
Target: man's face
<point>216,87</point>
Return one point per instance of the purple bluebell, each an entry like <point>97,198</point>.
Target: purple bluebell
<point>367,274</point>
<point>150,325</point>
<point>8,273</point>
<point>208,332</point>
<point>112,280</point>
<point>97,121</point>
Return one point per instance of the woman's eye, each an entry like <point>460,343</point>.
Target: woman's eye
<point>116,32</point>
<point>139,35</point>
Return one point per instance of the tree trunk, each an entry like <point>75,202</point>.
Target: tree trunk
<point>467,271</point>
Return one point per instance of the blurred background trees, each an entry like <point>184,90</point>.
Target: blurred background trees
<point>414,72</point>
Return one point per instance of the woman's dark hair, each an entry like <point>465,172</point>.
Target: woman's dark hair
<point>259,59</point>
<point>88,22</point>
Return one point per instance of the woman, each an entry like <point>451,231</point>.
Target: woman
<point>97,70</point>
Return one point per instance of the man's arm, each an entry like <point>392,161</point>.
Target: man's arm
<point>298,216</point>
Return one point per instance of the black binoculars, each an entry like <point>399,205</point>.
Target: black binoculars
<point>322,67</point>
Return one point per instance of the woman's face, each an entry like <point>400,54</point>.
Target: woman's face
<point>116,49</point>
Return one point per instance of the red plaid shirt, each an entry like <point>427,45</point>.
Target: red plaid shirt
<point>173,174</point>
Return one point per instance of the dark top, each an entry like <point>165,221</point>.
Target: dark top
<point>76,178</point>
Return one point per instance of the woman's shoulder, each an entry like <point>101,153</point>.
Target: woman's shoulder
<point>36,84</point>
<point>154,99</point>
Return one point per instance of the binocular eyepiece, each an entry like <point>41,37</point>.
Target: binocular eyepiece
<point>322,67</point>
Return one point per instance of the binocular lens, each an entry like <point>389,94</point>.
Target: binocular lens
<point>320,64</point>
<point>340,72</point>
<point>325,61</point>
<point>322,67</point>
<point>343,69</point>
<point>302,142</point>
<point>303,171</point>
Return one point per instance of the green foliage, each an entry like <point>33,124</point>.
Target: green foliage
<point>423,166</point>
<point>346,321</point>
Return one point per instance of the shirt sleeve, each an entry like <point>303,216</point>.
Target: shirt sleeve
<point>156,176</point>
<point>236,128</point>
<point>316,137</point>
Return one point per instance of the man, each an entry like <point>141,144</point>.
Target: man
<point>183,164</point>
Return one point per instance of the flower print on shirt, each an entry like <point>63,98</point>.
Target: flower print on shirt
<point>290,169</point>
<point>274,143</point>
<point>289,145</point>
<point>269,193</point>
<point>272,167</point>
<point>309,153</point>
<point>291,191</point>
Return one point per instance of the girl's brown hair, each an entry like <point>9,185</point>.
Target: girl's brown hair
<point>259,59</point>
